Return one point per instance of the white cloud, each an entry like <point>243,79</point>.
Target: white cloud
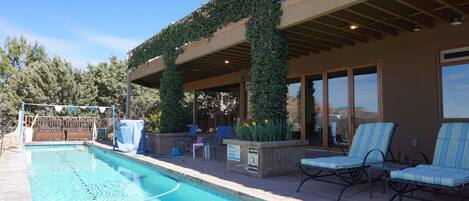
<point>67,50</point>
<point>77,50</point>
<point>117,43</point>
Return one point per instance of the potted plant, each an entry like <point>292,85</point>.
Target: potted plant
<point>264,149</point>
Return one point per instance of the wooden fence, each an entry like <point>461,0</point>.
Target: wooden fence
<point>48,128</point>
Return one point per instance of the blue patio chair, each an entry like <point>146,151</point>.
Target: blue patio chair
<point>186,142</point>
<point>223,132</point>
<point>449,169</point>
<point>370,145</point>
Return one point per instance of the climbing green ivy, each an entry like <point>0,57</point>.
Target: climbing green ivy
<point>268,50</point>
<point>269,54</point>
<point>201,23</point>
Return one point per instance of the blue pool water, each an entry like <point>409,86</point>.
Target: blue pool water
<point>78,172</point>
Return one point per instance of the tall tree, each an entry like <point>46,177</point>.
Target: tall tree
<point>17,54</point>
<point>36,78</point>
<point>20,53</point>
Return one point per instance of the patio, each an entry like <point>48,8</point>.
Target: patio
<point>286,185</point>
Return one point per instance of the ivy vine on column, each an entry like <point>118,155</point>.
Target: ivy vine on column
<point>268,50</point>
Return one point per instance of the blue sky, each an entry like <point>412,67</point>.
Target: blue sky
<point>89,31</point>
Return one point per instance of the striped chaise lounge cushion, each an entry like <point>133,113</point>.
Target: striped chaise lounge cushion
<point>450,165</point>
<point>367,137</point>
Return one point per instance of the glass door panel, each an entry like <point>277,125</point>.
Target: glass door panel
<point>365,81</point>
<point>294,107</point>
<point>314,120</point>
<point>338,108</point>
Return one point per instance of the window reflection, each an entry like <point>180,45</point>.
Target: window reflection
<point>314,110</point>
<point>366,95</point>
<point>338,108</point>
<point>455,91</point>
<point>294,107</point>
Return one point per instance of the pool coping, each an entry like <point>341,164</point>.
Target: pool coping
<point>46,143</point>
<point>226,187</point>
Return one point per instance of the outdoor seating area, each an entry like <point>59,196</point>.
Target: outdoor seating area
<point>370,146</point>
<point>370,150</point>
<point>287,185</point>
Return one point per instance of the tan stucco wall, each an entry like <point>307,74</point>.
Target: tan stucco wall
<point>409,78</point>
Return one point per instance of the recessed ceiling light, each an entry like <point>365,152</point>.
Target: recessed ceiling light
<point>353,27</point>
<point>456,21</point>
<point>416,28</point>
<point>227,61</point>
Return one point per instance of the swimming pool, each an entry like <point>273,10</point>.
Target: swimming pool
<point>79,172</point>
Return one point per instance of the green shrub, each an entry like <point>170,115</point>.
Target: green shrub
<point>266,131</point>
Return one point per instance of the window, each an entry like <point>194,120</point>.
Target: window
<point>294,107</point>
<point>455,90</point>
<point>314,110</point>
<point>365,90</point>
<point>338,108</point>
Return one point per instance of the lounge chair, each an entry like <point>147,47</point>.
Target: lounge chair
<point>449,169</point>
<point>370,145</point>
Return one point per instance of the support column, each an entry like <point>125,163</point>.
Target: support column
<point>194,109</point>
<point>242,99</point>
<point>21,124</point>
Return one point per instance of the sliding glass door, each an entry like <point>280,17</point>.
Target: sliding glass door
<point>314,121</point>
<point>365,91</point>
<point>338,108</point>
<point>337,102</point>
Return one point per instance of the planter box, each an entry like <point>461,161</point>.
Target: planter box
<point>162,143</point>
<point>264,159</point>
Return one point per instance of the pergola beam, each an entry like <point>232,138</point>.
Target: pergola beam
<point>423,8</point>
<point>454,7</point>
<point>357,35</point>
<point>329,37</point>
<point>234,55</point>
<point>308,38</point>
<point>301,48</point>
<point>379,16</point>
<point>364,22</point>
<point>314,45</point>
<point>395,12</point>
<point>362,33</point>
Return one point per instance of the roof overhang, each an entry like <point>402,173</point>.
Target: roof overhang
<point>311,26</point>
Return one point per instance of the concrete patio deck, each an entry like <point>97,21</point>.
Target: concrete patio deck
<point>286,185</point>
<point>14,181</point>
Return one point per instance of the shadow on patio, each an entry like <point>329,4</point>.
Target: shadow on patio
<point>286,185</point>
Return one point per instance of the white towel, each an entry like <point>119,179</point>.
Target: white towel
<point>58,108</point>
<point>102,109</point>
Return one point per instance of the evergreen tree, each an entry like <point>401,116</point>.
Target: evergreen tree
<point>35,78</point>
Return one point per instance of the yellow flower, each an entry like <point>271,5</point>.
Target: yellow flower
<point>245,124</point>
<point>254,123</point>
<point>266,121</point>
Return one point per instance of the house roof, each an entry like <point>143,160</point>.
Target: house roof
<point>311,26</point>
